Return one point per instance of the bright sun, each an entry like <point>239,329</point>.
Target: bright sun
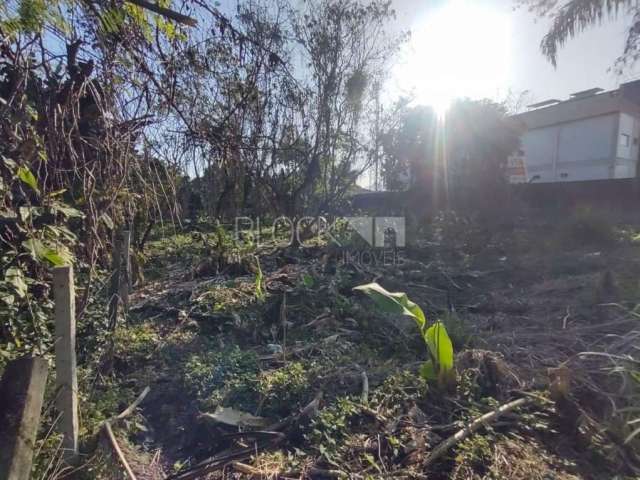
<point>459,50</point>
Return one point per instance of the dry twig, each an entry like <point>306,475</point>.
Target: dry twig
<point>106,427</point>
<point>475,425</point>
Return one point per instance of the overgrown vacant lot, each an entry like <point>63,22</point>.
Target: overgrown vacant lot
<point>301,377</point>
<point>137,135</point>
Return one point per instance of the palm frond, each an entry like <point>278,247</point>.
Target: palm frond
<point>574,17</point>
<point>632,45</point>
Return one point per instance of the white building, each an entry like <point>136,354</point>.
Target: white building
<point>591,136</point>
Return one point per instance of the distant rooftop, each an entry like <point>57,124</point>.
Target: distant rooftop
<point>587,93</point>
<point>583,104</point>
<point>574,96</point>
<point>553,101</point>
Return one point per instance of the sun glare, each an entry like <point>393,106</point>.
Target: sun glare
<point>460,50</point>
<point>440,105</point>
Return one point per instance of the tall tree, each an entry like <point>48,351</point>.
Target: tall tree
<point>73,107</point>
<point>279,119</point>
<point>346,47</point>
<point>460,158</point>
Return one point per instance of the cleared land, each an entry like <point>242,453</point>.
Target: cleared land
<point>541,310</point>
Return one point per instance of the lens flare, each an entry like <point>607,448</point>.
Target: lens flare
<point>459,50</point>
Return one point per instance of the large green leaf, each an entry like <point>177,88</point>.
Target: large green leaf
<point>27,177</point>
<point>35,247</point>
<point>394,302</point>
<point>66,210</point>
<point>57,259</point>
<point>15,277</point>
<point>440,346</point>
<point>440,365</point>
<point>40,251</point>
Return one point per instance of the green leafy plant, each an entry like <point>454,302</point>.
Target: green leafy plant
<point>259,279</point>
<point>308,281</point>
<point>37,233</point>
<point>27,177</point>
<point>439,367</point>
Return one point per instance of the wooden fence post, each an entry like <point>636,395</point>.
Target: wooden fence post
<point>66,375</point>
<point>21,396</point>
<point>114,287</point>
<point>125,280</point>
<point>120,276</point>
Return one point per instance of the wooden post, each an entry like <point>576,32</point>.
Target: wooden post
<point>125,270</point>
<point>66,376</point>
<point>21,396</point>
<point>114,288</point>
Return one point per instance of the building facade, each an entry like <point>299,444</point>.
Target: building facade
<point>594,135</point>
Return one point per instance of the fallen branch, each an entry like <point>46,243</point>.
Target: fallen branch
<point>248,470</point>
<point>106,428</point>
<point>475,425</point>
<point>129,410</point>
<point>118,450</point>
<point>322,473</point>
<point>312,472</point>
<point>219,461</point>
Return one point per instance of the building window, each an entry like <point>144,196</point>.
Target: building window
<point>624,139</point>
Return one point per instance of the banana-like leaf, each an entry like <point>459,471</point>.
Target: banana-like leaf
<point>440,366</point>
<point>394,302</point>
<point>440,346</point>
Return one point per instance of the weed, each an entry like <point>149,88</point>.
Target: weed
<point>228,297</point>
<point>439,367</point>
<point>308,281</point>
<point>107,400</point>
<point>211,371</point>
<point>137,342</point>
<point>476,451</point>
<point>330,427</point>
<point>400,388</point>
<point>283,389</point>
